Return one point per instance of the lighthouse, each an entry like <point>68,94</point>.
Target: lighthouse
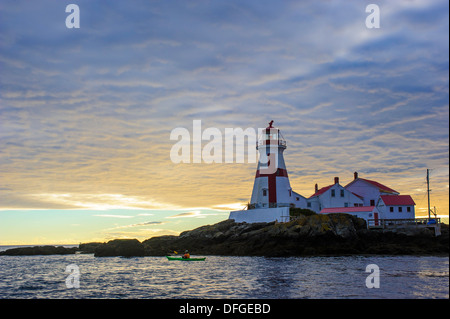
<point>271,187</point>
<point>272,195</point>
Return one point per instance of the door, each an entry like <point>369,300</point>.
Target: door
<point>375,217</point>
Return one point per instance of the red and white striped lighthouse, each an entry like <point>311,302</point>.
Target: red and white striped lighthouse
<point>271,187</point>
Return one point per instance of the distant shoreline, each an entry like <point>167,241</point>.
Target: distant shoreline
<point>5,247</point>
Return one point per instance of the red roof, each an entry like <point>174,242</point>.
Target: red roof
<point>321,191</point>
<point>397,200</point>
<point>381,187</point>
<point>368,209</point>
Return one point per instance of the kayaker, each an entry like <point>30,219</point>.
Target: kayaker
<point>186,255</point>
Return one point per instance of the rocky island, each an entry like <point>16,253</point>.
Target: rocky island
<point>332,234</point>
<point>306,235</point>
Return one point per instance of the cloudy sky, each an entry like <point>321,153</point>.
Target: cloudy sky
<point>86,114</point>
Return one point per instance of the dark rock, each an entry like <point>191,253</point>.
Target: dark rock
<point>39,250</point>
<point>120,247</point>
<point>332,234</point>
<point>160,246</point>
<point>315,234</point>
<point>89,248</point>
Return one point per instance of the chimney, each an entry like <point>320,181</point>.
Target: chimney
<point>316,188</point>
<point>336,180</point>
<point>355,175</point>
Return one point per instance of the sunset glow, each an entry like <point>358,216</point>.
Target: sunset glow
<point>86,114</point>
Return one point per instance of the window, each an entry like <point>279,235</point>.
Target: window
<point>264,192</point>
<point>400,209</point>
<point>391,209</point>
<point>345,204</point>
<point>309,204</point>
<point>355,204</point>
<point>297,198</point>
<point>342,193</point>
<point>372,202</point>
<point>408,209</point>
<point>333,193</point>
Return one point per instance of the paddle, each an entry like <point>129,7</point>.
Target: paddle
<point>176,253</point>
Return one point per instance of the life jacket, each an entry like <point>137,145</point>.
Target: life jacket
<point>186,256</point>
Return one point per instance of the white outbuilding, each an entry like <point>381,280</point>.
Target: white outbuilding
<point>334,195</point>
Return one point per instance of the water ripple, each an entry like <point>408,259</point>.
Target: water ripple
<point>224,277</point>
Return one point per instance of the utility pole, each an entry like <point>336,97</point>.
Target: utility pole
<point>428,192</point>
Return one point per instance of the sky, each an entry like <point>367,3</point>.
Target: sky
<point>86,113</point>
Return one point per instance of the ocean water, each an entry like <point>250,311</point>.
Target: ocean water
<point>400,277</point>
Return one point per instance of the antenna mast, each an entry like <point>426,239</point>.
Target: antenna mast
<point>428,192</point>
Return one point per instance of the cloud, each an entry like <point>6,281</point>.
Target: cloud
<point>195,214</point>
<point>100,201</point>
<point>230,206</point>
<point>133,225</point>
<point>146,224</point>
<point>113,216</point>
<point>87,114</point>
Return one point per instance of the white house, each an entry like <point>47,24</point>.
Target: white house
<point>369,190</point>
<point>333,195</point>
<point>298,200</point>
<point>389,202</point>
<point>396,207</point>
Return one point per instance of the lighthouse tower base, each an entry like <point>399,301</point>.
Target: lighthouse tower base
<point>262,215</point>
